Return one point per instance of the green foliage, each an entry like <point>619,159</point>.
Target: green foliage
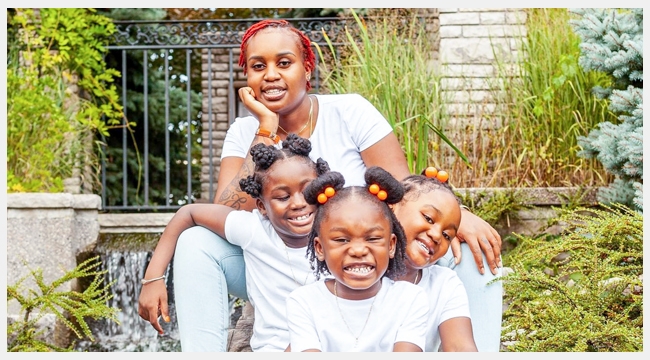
<point>612,43</point>
<point>547,105</point>
<point>387,62</point>
<point>495,206</point>
<point>580,291</point>
<point>72,308</point>
<point>46,121</point>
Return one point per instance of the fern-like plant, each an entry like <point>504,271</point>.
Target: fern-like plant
<point>72,308</point>
<point>580,291</point>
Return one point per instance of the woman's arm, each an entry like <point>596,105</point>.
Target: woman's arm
<point>153,296</point>
<point>234,168</point>
<point>387,154</point>
<point>456,335</point>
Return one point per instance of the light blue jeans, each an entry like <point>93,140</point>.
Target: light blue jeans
<point>207,268</point>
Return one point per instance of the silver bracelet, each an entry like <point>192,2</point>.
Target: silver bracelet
<point>145,281</point>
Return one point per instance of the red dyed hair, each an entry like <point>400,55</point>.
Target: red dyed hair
<point>308,56</point>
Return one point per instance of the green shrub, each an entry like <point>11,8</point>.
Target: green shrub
<point>53,51</point>
<point>72,308</point>
<point>580,291</point>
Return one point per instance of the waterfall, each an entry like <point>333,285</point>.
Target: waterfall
<point>133,333</point>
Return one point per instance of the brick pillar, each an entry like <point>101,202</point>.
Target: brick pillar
<point>469,40</point>
<point>219,99</point>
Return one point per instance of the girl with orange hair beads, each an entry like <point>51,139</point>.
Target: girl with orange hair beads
<point>430,214</point>
<point>345,130</point>
<point>357,242</point>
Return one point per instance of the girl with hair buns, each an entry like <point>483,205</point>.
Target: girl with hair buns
<point>273,237</point>
<point>345,130</point>
<point>358,241</point>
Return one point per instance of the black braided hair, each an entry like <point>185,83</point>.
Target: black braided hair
<point>416,185</point>
<point>264,156</point>
<point>374,175</point>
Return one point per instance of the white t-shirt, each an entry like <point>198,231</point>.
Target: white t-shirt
<point>447,300</point>
<point>347,124</point>
<point>269,276</point>
<point>399,313</point>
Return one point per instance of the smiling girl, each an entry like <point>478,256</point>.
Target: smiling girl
<point>430,214</point>
<point>273,237</point>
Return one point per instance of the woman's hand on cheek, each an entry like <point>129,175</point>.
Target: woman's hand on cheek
<point>481,238</point>
<point>267,118</point>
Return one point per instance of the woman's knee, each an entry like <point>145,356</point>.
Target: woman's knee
<point>199,240</point>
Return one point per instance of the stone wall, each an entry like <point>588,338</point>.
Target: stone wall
<point>47,232</point>
<point>470,42</point>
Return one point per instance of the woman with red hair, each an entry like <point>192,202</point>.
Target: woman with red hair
<point>345,130</point>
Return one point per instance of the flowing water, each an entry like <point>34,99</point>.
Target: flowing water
<point>132,334</point>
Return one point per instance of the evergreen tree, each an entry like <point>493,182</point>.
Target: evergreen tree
<point>612,42</point>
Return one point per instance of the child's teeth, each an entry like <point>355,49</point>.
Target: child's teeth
<point>424,247</point>
<point>361,269</point>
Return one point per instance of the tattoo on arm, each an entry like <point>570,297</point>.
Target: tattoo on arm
<point>232,195</point>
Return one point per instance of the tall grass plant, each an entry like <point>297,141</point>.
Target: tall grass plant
<point>547,103</point>
<point>387,62</point>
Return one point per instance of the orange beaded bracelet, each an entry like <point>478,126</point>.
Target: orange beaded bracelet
<point>265,133</point>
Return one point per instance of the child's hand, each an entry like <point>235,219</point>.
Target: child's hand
<point>153,303</point>
<point>267,118</point>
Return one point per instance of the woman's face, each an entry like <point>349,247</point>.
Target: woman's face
<point>430,222</point>
<point>276,70</point>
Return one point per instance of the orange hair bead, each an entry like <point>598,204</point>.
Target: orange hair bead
<point>382,195</point>
<point>374,189</point>
<point>431,172</point>
<point>443,176</point>
<point>322,198</point>
<point>329,191</point>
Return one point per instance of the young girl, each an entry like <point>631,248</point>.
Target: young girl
<point>430,214</point>
<point>357,239</point>
<point>273,237</point>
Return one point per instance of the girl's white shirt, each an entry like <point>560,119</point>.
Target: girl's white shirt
<point>447,299</point>
<point>399,314</point>
<point>269,279</point>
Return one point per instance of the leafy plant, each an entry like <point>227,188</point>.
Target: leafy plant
<point>54,51</point>
<point>72,308</point>
<point>579,291</point>
<point>387,62</point>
